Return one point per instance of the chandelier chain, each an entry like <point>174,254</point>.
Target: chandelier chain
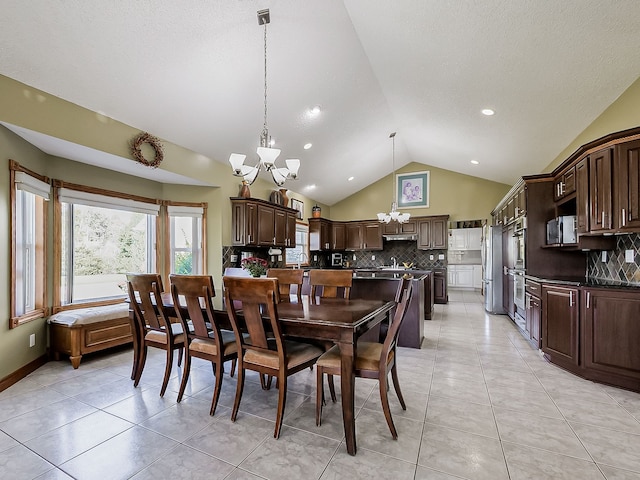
<point>265,131</point>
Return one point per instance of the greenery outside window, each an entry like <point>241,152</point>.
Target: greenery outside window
<point>29,195</point>
<point>186,239</point>
<point>300,253</point>
<point>102,237</point>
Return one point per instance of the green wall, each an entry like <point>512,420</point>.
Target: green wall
<point>462,197</point>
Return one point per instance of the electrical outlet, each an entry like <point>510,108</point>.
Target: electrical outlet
<point>373,257</point>
<point>315,258</point>
<point>441,256</point>
<point>354,257</point>
<point>629,256</point>
<point>431,257</point>
<point>32,340</point>
<point>279,258</point>
<point>604,257</point>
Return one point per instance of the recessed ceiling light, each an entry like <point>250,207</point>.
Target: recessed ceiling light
<point>475,162</point>
<point>350,178</point>
<point>310,187</point>
<point>314,111</point>
<point>307,146</point>
<point>488,112</point>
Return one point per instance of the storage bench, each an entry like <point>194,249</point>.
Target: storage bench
<point>87,330</point>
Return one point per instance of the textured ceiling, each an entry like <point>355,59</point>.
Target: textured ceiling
<point>191,72</point>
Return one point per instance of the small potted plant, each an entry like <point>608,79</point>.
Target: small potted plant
<point>256,266</point>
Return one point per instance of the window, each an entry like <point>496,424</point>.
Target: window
<point>186,239</point>
<point>103,237</point>
<point>29,196</point>
<point>299,254</point>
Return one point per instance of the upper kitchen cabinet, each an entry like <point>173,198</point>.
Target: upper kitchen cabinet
<point>395,228</point>
<point>512,206</point>
<point>339,235</point>
<point>628,174</point>
<point>601,190</point>
<point>372,236</point>
<point>432,233</point>
<point>354,236</point>
<point>261,224</point>
<point>565,183</point>
<point>582,195</point>
<point>465,239</point>
<point>319,234</point>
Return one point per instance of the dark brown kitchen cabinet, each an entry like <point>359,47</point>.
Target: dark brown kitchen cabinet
<point>521,202</point>
<point>628,175</point>
<point>395,228</point>
<point>354,236</point>
<point>372,236</point>
<point>611,329</point>
<point>319,234</point>
<point>511,209</point>
<point>564,184</point>
<point>440,285</point>
<point>508,264</point>
<point>601,190</point>
<point>582,195</point>
<point>560,325</point>
<point>533,319</point>
<point>432,233</point>
<point>262,224</point>
<point>339,235</point>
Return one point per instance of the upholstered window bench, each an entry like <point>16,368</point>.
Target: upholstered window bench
<point>87,330</point>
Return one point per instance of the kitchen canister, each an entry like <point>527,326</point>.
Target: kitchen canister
<point>316,211</point>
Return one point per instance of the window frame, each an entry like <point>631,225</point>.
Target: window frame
<point>58,247</point>
<point>40,308</point>
<point>306,250</point>
<point>168,250</point>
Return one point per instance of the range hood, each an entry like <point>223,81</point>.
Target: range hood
<point>401,236</point>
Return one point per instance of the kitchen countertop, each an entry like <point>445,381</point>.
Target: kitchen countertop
<point>584,282</point>
<point>390,274</point>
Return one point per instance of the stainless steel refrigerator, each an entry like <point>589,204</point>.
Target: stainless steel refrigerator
<point>493,270</point>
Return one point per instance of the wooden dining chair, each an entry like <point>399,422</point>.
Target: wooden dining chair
<point>287,278</point>
<point>192,299</point>
<point>373,360</point>
<point>153,327</point>
<point>330,281</point>
<point>267,353</point>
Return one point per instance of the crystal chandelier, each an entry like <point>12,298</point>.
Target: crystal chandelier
<point>267,154</point>
<point>394,214</point>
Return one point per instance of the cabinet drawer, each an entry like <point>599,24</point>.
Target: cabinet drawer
<point>532,287</point>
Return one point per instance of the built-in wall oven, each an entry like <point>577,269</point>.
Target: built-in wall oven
<point>519,234</point>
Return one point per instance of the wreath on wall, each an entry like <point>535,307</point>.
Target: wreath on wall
<point>136,150</point>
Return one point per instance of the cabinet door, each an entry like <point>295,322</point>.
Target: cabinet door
<point>600,190</point>
<point>280,228</point>
<point>569,182</point>
<point>424,234</point>
<point>511,209</point>
<point>244,223</point>
<point>560,333</point>
<point>290,240</point>
<point>354,236</point>
<point>582,195</point>
<point>410,227</point>
<point>390,228</point>
<point>477,276</point>
<point>339,234</point>
<point>439,287</point>
<point>266,225</point>
<point>521,202</point>
<point>474,239</point>
<point>464,276</point>
<point>458,239</point>
<point>372,236</point>
<point>628,176</point>
<point>439,233</point>
<point>452,276</point>
<point>535,323</point>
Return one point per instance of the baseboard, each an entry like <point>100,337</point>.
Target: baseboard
<point>22,372</point>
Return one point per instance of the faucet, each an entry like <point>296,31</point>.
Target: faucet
<point>395,262</point>
<point>300,256</point>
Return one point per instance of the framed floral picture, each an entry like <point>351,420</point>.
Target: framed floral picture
<point>299,206</point>
<point>412,189</point>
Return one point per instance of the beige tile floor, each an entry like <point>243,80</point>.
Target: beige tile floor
<point>481,405</point>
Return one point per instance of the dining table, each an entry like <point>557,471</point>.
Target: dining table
<point>338,320</point>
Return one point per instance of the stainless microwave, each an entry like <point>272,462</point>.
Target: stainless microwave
<point>562,230</point>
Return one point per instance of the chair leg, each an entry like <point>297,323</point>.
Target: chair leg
<point>233,368</point>
<point>385,405</point>
<point>282,400</point>
<point>216,390</point>
<point>332,388</point>
<point>319,394</point>
<point>396,386</point>
<point>265,381</point>
<point>185,375</point>
<point>167,370</point>
<point>140,367</point>
<point>239,388</point>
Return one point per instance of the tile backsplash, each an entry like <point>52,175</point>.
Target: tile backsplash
<point>616,269</point>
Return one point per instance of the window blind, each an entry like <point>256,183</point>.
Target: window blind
<point>68,195</point>
<point>31,184</point>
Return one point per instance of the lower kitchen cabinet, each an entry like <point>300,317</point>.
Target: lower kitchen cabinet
<point>440,286</point>
<point>465,276</point>
<point>611,324</point>
<point>533,318</point>
<point>560,325</point>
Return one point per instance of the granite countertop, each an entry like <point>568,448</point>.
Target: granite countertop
<point>584,282</point>
<point>389,274</point>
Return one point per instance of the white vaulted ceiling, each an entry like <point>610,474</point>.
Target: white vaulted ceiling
<point>191,72</point>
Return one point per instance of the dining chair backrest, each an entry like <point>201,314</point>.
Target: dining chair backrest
<point>330,281</point>
<point>287,277</point>
<point>145,291</point>
<point>259,297</point>
<point>404,294</point>
<point>192,296</point>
